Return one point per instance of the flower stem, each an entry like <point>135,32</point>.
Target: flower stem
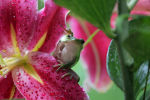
<point>127,75</point>
<point>91,37</point>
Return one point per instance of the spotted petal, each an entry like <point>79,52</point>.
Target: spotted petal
<point>94,54</point>
<point>24,21</point>
<point>5,19</point>
<point>54,87</point>
<point>8,89</point>
<point>51,21</point>
<point>17,94</point>
<point>6,85</point>
<point>31,25</point>
<point>55,30</point>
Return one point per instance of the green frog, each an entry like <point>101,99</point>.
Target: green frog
<point>67,53</point>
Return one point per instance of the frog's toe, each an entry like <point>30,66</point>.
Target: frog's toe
<point>72,74</point>
<point>61,67</point>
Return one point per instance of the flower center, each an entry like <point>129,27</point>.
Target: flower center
<point>9,63</point>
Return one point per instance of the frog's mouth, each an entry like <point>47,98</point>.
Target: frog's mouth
<point>80,41</point>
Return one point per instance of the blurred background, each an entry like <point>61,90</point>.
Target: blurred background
<point>114,93</point>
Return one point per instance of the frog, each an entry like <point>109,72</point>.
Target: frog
<point>67,53</point>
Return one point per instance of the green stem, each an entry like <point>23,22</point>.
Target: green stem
<point>91,37</point>
<point>146,82</point>
<point>127,75</point>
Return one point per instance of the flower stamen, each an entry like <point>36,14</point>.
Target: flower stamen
<point>2,63</point>
<point>10,64</point>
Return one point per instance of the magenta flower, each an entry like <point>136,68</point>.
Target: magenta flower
<point>28,36</point>
<point>142,6</point>
<point>94,54</point>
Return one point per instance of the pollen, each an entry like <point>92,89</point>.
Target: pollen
<point>9,63</point>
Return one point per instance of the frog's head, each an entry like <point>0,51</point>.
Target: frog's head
<point>69,37</point>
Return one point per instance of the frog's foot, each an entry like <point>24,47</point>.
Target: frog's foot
<point>72,74</point>
<point>61,67</point>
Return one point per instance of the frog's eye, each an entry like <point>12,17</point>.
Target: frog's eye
<point>65,38</point>
<point>69,36</point>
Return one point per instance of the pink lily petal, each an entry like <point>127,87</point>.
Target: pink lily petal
<point>142,5</point>
<point>142,8</point>
<point>6,85</point>
<point>5,37</point>
<point>45,16</point>
<point>55,31</point>
<point>17,94</point>
<point>54,87</point>
<point>31,24</point>
<point>113,20</point>
<point>25,16</point>
<point>94,54</point>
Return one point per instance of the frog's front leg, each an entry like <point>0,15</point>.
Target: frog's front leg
<point>72,74</point>
<point>64,66</point>
<point>61,66</point>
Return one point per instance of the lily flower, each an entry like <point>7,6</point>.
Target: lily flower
<point>27,37</point>
<point>93,54</point>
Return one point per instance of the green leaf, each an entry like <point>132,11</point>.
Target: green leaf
<point>140,78</point>
<point>138,41</point>
<point>97,12</point>
<point>120,22</point>
<point>114,71</point>
<point>113,65</point>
